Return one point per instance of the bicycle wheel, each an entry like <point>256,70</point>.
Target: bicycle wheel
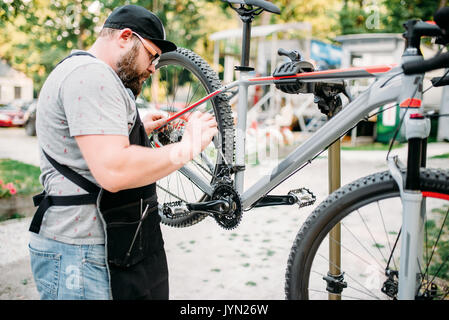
<point>369,211</point>
<point>182,78</point>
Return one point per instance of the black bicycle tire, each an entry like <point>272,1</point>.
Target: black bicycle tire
<point>209,78</point>
<point>337,206</point>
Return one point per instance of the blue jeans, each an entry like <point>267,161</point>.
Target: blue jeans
<point>69,272</point>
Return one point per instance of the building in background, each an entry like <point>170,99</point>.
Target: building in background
<point>360,50</point>
<point>325,55</point>
<point>14,85</point>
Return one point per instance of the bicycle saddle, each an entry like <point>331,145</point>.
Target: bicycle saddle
<point>268,6</point>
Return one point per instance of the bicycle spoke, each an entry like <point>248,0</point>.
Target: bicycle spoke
<point>188,93</point>
<point>202,184</point>
<point>168,186</point>
<point>193,189</point>
<point>445,295</point>
<point>360,243</point>
<point>394,248</point>
<point>183,190</point>
<point>376,244</point>
<point>425,246</point>
<point>207,162</point>
<point>355,254</point>
<point>349,276</point>
<point>386,233</point>
<point>170,193</point>
<point>435,245</point>
<point>193,95</point>
<point>438,271</point>
<point>343,296</point>
<point>175,88</point>
<point>177,181</point>
<point>200,167</point>
<point>421,277</point>
<point>166,91</point>
<point>190,101</point>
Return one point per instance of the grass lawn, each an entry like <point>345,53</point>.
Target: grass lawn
<point>25,177</point>
<point>441,156</point>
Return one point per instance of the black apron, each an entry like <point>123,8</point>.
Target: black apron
<point>134,245</point>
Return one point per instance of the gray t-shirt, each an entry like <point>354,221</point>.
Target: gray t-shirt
<point>81,96</point>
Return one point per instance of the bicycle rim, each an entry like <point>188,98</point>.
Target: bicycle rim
<point>370,243</point>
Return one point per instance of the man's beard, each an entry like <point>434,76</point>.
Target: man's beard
<point>127,71</point>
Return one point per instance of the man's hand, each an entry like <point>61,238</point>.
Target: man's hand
<point>153,120</point>
<point>199,132</point>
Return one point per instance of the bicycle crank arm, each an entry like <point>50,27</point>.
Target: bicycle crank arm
<point>302,196</point>
<point>213,206</point>
<point>276,200</point>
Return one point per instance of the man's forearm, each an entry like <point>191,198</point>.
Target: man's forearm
<point>137,166</point>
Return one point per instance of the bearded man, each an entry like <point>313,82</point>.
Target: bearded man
<point>96,233</point>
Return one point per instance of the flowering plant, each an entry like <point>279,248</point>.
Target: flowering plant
<point>7,190</point>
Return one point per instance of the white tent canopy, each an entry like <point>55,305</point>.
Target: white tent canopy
<point>265,51</point>
<point>261,31</point>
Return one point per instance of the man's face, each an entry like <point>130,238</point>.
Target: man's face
<point>130,71</point>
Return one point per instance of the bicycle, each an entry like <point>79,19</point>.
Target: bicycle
<point>212,183</point>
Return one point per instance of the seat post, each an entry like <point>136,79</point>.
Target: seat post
<point>246,11</point>
<point>246,39</point>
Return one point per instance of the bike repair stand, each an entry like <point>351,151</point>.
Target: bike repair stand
<point>330,104</point>
<point>334,169</point>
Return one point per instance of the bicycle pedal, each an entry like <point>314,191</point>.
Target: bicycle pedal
<point>175,210</point>
<point>305,197</point>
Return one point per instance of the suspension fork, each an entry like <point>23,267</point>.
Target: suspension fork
<point>413,217</point>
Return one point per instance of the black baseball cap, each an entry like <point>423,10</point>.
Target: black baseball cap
<point>141,21</point>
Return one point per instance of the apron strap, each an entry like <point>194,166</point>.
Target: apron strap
<point>73,176</point>
<point>44,201</point>
<point>78,53</point>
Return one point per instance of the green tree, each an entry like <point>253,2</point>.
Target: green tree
<point>39,33</point>
<point>321,14</point>
<point>353,18</point>
<point>39,36</point>
<point>399,11</point>
<point>367,16</point>
<point>9,9</point>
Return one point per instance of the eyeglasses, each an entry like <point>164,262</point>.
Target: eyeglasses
<point>150,49</point>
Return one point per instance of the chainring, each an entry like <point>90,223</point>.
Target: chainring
<point>230,219</point>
